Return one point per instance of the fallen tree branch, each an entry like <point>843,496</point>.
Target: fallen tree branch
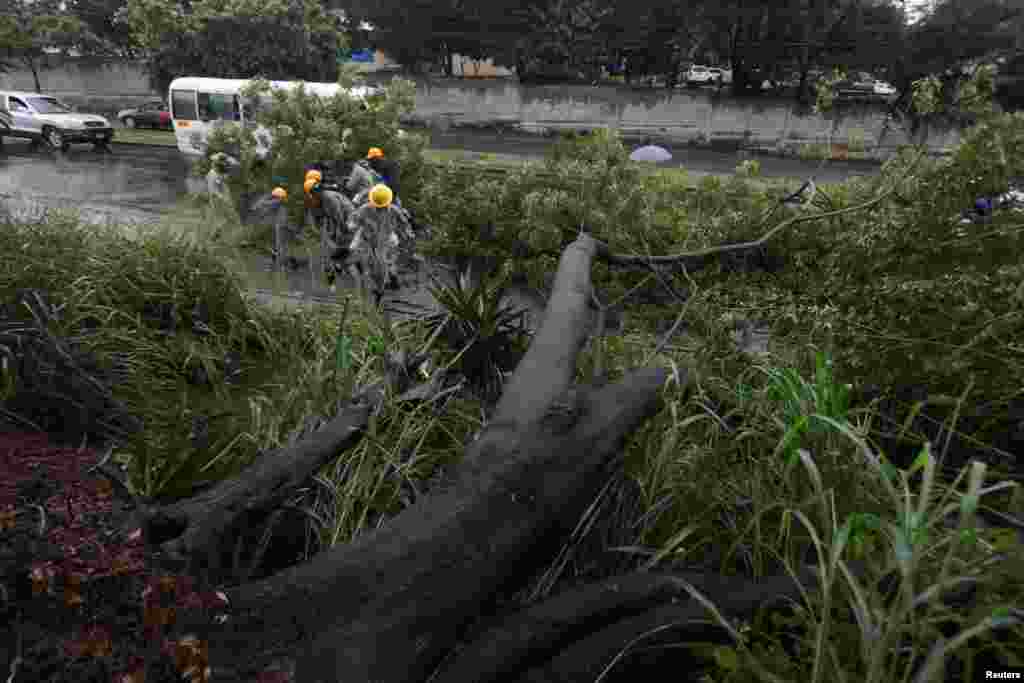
<point>695,260</point>
<point>547,369</point>
<point>700,257</point>
<point>193,531</point>
<point>592,657</point>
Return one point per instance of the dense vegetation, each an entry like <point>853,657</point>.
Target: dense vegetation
<point>892,359</point>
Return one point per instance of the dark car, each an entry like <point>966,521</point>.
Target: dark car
<point>152,115</point>
<point>860,85</point>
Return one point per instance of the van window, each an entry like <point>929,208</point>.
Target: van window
<point>183,105</point>
<point>14,104</point>
<point>213,106</point>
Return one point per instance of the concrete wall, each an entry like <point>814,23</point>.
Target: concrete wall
<point>104,86</point>
<point>80,75</point>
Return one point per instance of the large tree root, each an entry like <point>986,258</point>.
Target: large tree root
<point>563,635</point>
<point>733,597</point>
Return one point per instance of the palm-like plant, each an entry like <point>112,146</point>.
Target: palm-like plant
<point>485,336</point>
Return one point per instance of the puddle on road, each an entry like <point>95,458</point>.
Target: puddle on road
<point>146,180</point>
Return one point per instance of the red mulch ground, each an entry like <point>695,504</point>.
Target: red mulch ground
<point>79,601</point>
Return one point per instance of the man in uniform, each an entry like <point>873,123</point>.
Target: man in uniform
<point>379,229</point>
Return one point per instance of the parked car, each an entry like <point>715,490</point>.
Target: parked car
<point>884,89</point>
<point>858,86</point>
<point>720,76</point>
<point>151,115</point>
<point>698,75</point>
<point>44,118</point>
<point>792,80</point>
<point>537,71</point>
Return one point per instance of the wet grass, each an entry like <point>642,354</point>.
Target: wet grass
<point>138,136</point>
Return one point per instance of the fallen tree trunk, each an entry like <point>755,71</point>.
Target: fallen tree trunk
<point>391,605</point>
<point>434,567</point>
<point>431,569</point>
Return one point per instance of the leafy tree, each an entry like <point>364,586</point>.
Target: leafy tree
<point>651,36</point>
<point>946,47</point>
<point>30,26</point>
<point>281,39</point>
<point>306,129</point>
<point>103,29</point>
<point>421,32</point>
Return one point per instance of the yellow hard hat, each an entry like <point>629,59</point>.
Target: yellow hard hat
<point>314,174</point>
<point>279,193</point>
<point>310,184</point>
<point>374,153</point>
<point>381,196</point>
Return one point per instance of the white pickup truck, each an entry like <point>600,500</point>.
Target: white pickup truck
<point>44,118</point>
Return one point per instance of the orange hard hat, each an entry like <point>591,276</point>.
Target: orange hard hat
<point>279,193</point>
<point>374,153</point>
<point>314,174</point>
<point>310,184</point>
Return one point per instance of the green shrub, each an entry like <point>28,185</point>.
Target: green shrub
<point>308,129</point>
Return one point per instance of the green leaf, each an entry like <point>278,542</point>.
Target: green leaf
<point>342,355</point>
<point>727,659</point>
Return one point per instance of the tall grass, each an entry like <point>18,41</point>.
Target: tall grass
<point>213,378</point>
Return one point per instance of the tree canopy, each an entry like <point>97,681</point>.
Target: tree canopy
<point>280,39</point>
<point>756,39</point>
<point>29,27</point>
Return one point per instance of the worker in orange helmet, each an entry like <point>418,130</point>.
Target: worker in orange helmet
<point>272,209</point>
<point>331,217</point>
<point>387,170</point>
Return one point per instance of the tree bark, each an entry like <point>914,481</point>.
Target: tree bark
<point>30,62</point>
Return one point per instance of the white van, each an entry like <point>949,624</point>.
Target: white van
<point>200,105</point>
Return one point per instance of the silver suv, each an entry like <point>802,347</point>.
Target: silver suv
<point>699,75</point>
<point>44,118</point>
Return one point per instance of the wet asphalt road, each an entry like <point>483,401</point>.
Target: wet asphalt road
<point>143,180</point>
